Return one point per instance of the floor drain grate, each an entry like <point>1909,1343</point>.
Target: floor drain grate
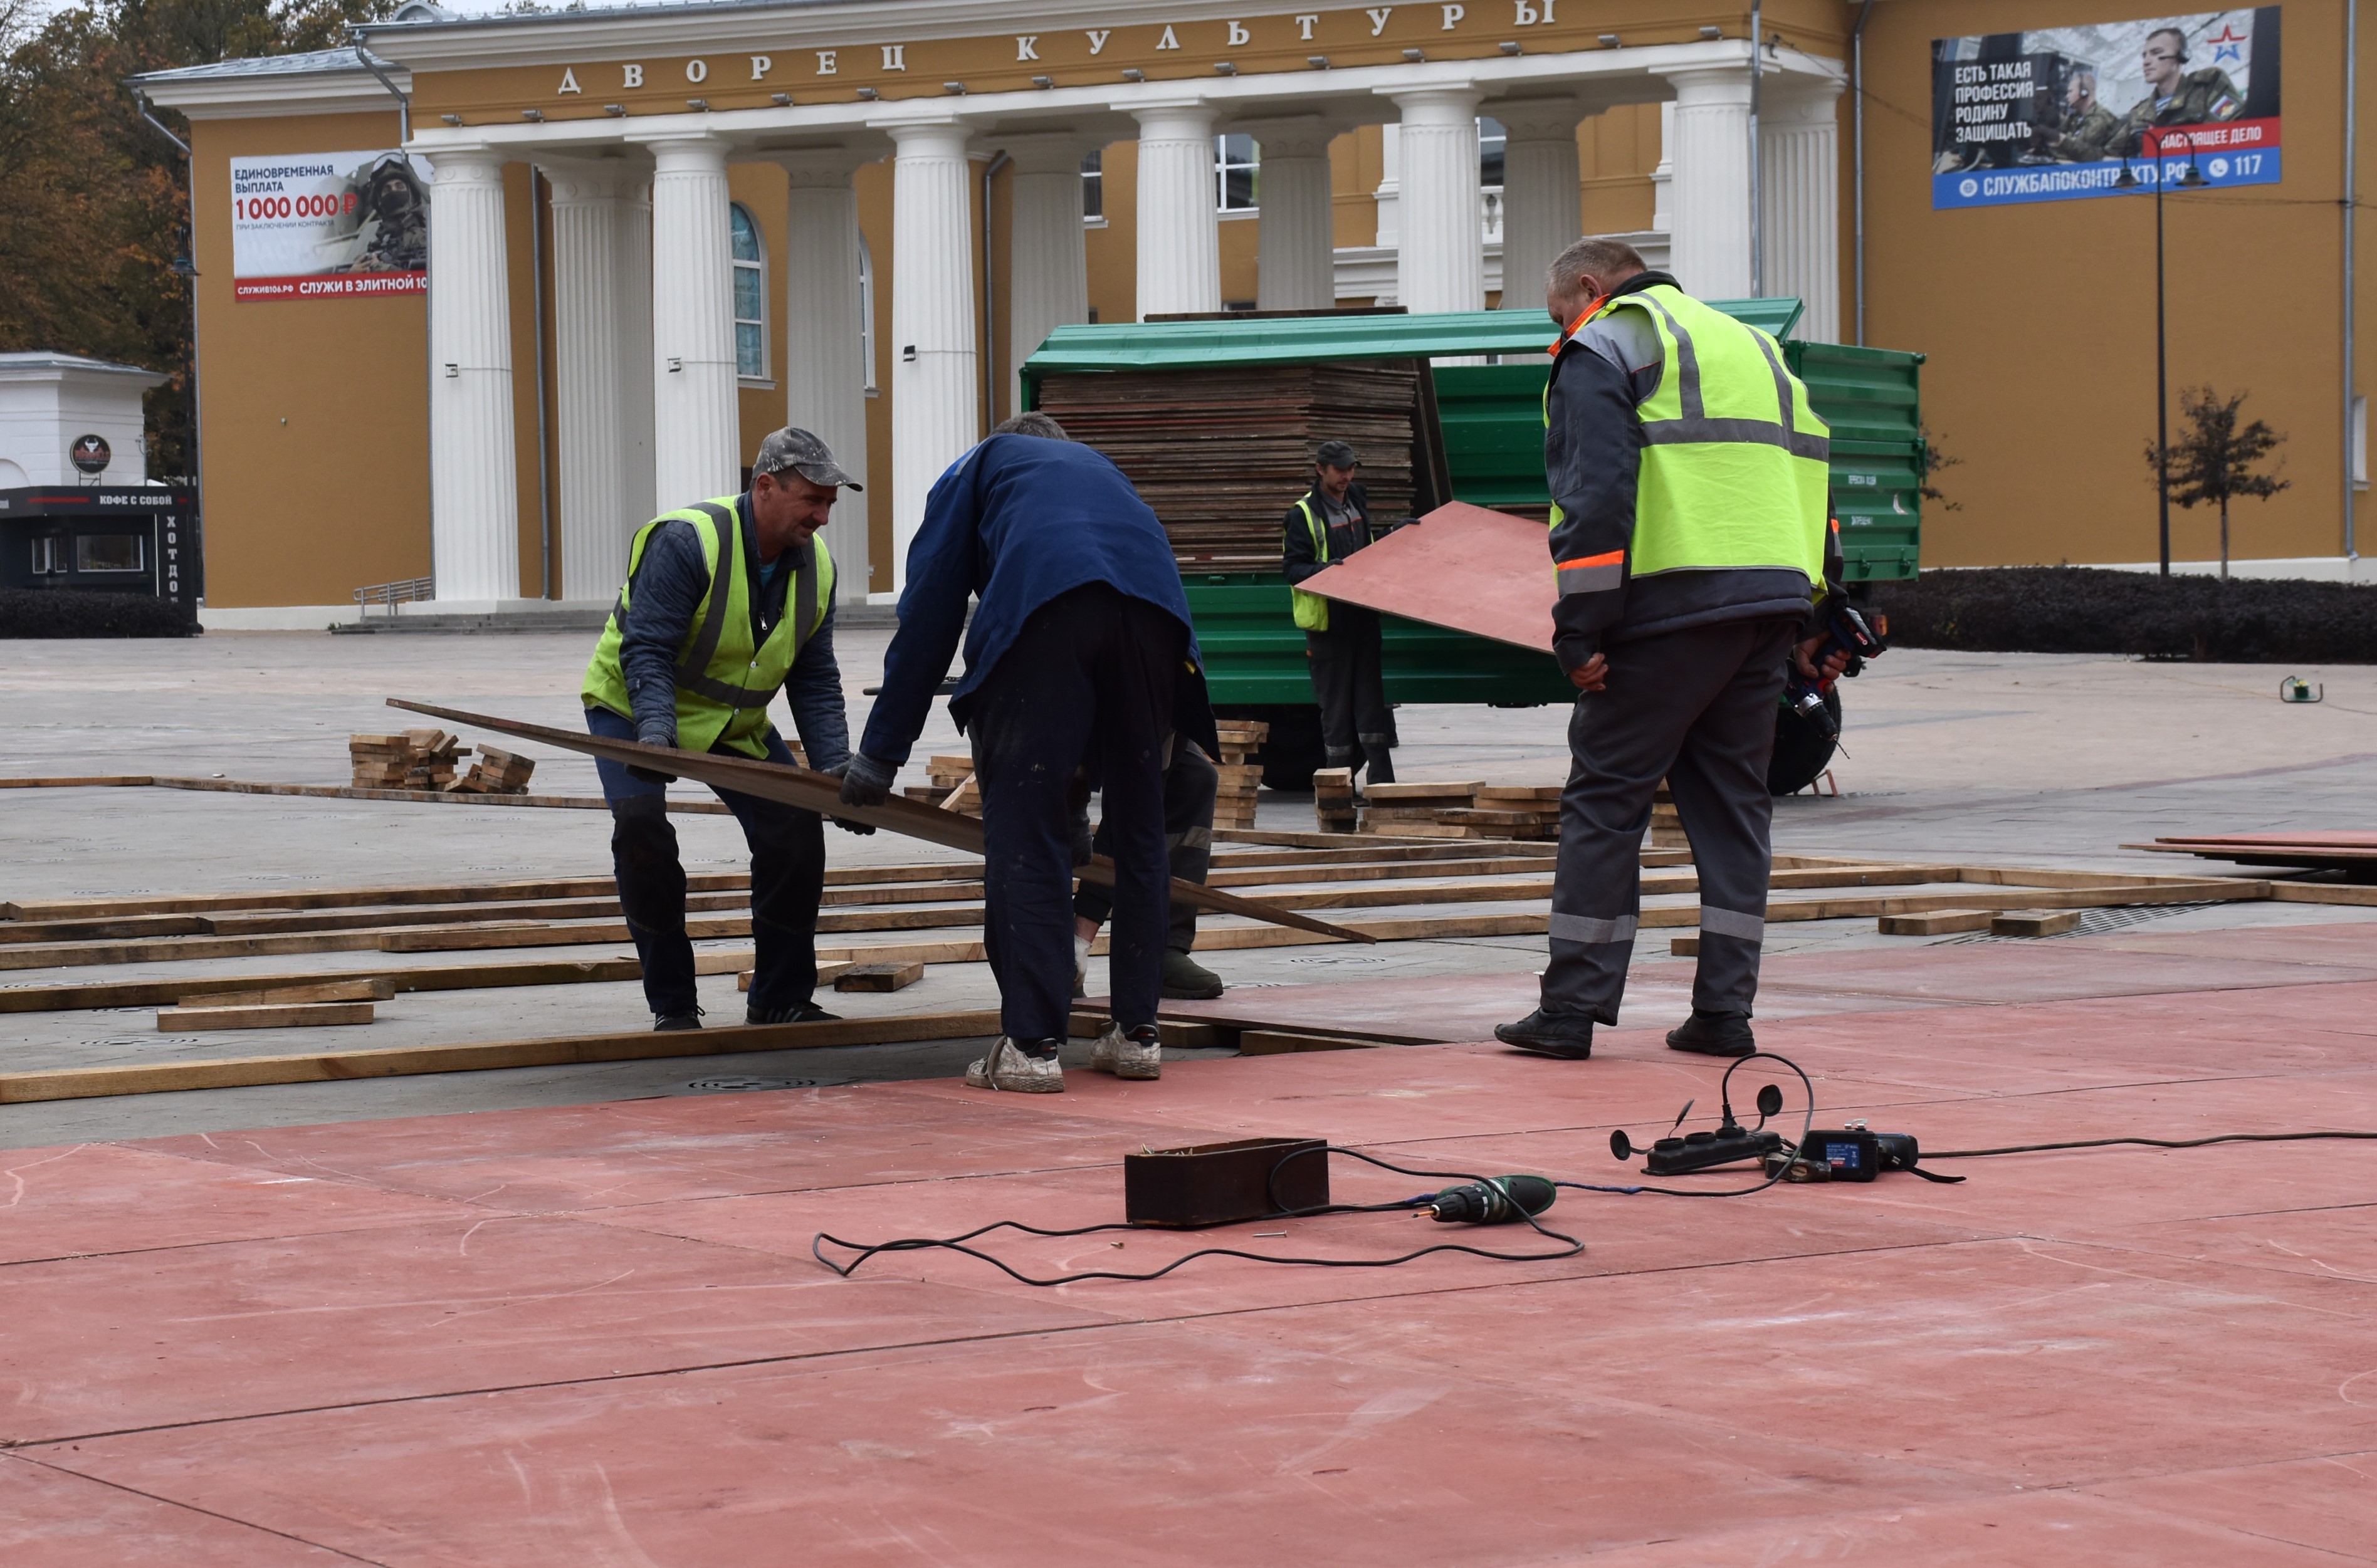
<point>1337,960</point>
<point>745,1085</point>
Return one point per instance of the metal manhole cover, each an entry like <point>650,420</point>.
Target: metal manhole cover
<point>745,1086</point>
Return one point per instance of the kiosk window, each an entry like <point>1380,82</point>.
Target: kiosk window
<point>111,552</point>
<point>49,557</point>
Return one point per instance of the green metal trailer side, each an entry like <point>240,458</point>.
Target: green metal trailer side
<point>1491,418</point>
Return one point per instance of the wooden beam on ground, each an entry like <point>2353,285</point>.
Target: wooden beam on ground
<point>97,782</point>
<point>2034,922</point>
<point>2322,893</point>
<point>338,1066</point>
<point>83,995</point>
<point>265,1015</point>
<point>1939,922</point>
<point>372,988</point>
<point>1280,1042</point>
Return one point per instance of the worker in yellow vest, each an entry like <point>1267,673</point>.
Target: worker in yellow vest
<point>1689,538</point>
<point>1340,641</point>
<point>727,602</point>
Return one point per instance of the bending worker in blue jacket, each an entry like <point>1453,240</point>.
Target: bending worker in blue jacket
<point>726,603</point>
<point>1080,660</point>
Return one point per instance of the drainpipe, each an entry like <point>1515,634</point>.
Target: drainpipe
<point>2351,214</point>
<point>543,446</point>
<point>198,427</point>
<point>1856,110</point>
<point>403,104</point>
<point>989,300</point>
<point>1757,192</point>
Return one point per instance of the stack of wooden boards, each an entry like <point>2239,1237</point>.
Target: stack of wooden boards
<point>2352,852</point>
<point>1333,800</point>
<point>425,759</point>
<point>1524,813</point>
<point>1233,806</point>
<point>280,1006</point>
<point>954,787</point>
<point>1221,455</point>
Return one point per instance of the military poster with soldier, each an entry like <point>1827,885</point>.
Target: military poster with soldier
<point>2066,112</point>
<point>328,225</point>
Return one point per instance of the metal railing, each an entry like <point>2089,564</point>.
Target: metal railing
<point>393,594</point>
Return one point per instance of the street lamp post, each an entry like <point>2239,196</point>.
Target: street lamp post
<point>2190,178</point>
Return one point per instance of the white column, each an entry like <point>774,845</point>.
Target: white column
<point>1047,271</point>
<point>1441,262</point>
<point>1799,184</point>
<point>936,376</point>
<point>697,437</point>
<point>473,481</point>
<point>1543,204</point>
<point>1662,175</point>
<point>1710,194</point>
<point>639,496</point>
<point>1296,229</point>
<point>825,377</point>
<point>595,362</point>
<point>1179,238</point>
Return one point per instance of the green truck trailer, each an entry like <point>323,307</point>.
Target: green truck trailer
<point>1481,428</point>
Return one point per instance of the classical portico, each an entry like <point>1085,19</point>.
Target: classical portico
<point>638,119</point>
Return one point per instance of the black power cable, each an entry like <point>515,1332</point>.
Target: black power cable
<point>1724,1094</point>
<point>2149,1143</point>
<point>957,1243</point>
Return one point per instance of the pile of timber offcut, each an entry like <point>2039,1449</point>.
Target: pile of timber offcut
<point>954,787</point>
<point>425,759</point>
<point>1333,800</point>
<point>1411,810</point>
<point>1233,806</point>
<point>1221,455</point>
<point>1509,811</point>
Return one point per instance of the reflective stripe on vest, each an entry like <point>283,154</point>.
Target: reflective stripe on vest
<point>1311,610</point>
<point>724,682</point>
<point>1735,462</point>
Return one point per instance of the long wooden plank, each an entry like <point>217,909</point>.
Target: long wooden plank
<point>822,792</point>
<point>424,797</point>
<point>2322,893</point>
<point>374,987</point>
<point>337,1066</point>
<point>81,995</point>
<point>99,781</point>
<point>265,1015</point>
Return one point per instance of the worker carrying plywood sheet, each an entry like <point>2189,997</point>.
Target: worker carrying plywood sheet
<point>1080,660</point>
<point>727,602</point>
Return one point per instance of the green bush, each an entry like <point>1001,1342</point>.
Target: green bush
<point>64,612</point>
<point>2082,610</point>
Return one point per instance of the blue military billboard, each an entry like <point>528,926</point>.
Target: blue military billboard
<point>2106,109</point>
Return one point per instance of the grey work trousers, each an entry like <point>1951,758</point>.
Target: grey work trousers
<point>1695,707</point>
<point>1191,785</point>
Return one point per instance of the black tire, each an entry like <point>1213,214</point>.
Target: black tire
<point>1802,750</point>
<point>1294,750</point>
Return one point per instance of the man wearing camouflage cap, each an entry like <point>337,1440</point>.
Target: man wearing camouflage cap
<point>727,602</point>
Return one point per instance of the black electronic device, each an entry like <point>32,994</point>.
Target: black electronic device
<point>1846,630</point>
<point>1847,1154</point>
<point>1503,1200</point>
<point>1186,1189</point>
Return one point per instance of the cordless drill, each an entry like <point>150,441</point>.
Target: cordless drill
<point>1846,630</point>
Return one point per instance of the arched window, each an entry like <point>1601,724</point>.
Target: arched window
<point>750,296</point>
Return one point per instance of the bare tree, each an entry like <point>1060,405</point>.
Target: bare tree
<point>2215,457</point>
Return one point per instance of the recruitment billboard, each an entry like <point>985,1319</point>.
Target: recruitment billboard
<point>328,225</point>
<point>2061,113</point>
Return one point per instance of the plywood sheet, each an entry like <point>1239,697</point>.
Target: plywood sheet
<point>1485,573</point>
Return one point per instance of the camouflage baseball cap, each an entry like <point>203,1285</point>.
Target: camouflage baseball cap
<point>805,454</point>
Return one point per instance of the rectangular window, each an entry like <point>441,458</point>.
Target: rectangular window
<point>1491,140</point>
<point>111,552</point>
<point>2360,440</point>
<point>750,295</point>
<point>1094,186</point>
<point>49,557</point>
<point>1237,173</point>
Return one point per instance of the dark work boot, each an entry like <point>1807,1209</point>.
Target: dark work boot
<point>1381,760</point>
<point>806,1013</point>
<point>1566,1035</point>
<point>1713,1034</point>
<point>670,1022</point>
<point>1185,980</point>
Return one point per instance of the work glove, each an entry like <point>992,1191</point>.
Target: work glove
<point>866,780</point>
<point>654,732</point>
<point>861,829</point>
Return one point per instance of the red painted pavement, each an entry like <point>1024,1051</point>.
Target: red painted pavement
<point>593,1335</point>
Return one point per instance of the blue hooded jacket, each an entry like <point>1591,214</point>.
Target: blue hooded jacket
<point>1017,521</point>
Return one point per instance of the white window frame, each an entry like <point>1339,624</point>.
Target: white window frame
<point>1094,180</point>
<point>1223,167</point>
<point>760,265</point>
